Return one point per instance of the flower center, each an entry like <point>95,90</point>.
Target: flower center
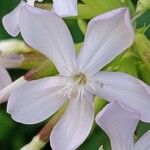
<point>80,78</point>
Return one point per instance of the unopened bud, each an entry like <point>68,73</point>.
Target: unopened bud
<point>142,5</point>
<point>13,46</point>
<point>35,144</point>
<point>12,61</point>
<point>128,65</point>
<point>82,25</point>
<point>145,73</point>
<point>142,45</point>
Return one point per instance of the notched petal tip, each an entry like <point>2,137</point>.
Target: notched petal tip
<point>13,30</point>
<point>120,12</point>
<point>11,21</point>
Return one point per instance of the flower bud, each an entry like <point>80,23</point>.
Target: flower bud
<point>101,6</point>
<point>35,144</point>
<point>13,46</point>
<point>142,5</point>
<point>82,25</point>
<point>128,65</point>
<point>142,45</point>
<point>145,73</point>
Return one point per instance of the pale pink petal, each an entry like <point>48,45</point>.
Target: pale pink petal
<point>5,93</point>
<point>35,101</point>
<point>75,125</point>
<point>124,88</point>
<point>11,20</point>
<point>107,36</point>
<point>119,124</point>
<point>144,142</point>
<point>65,8</point>
<point>48,34</point>
<point>5,78</point>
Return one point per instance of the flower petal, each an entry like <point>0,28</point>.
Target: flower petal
<point>65,8</point>
<point>37,100</point>
<point>107,36</point>
<point>48,34</point>
<point>5,78</point>
<point>11,21</point>
<point>119,124</point>
<point>75,125</point>
<point>144,142</point>
<point>6,92</point>
<point>126,89</point>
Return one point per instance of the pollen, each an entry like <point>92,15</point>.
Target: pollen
<point>80,78</point>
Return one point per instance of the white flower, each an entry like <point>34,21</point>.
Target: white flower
<point>120,123</point>
<point>11,21</point>
<point>79,80</point>
<point>63,8</point>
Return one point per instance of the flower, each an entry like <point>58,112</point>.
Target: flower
<point>5,79</point>
<point>11,21</point>
<point>63,8</point>
<point>119,123</point>
<point>79,79</point>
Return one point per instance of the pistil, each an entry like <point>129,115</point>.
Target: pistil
<point>80,78</point>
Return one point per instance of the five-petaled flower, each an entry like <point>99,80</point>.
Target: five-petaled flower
<point>63,8</point>
<point>79,79</point>
<point>119,123</point>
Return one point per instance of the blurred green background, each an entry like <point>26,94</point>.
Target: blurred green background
<point>14,135</point>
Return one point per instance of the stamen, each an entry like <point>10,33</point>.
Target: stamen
<point>67,90</point>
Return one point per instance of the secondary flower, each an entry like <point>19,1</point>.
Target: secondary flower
<point>11,21</point>
<point>79,79</point>
<point>63,8</point>
<point>120,123</point>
